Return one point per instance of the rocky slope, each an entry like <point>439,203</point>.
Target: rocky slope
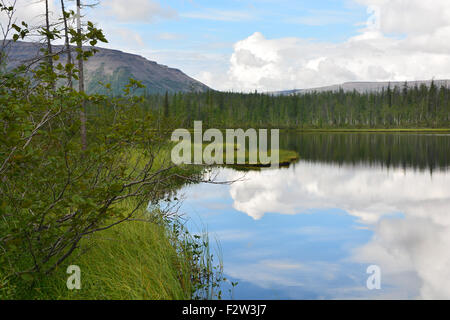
<point>116,67</point>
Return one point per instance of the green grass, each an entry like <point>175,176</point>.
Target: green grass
<point>286,157</point>
<point>152,259</point>
<point>133,260</point>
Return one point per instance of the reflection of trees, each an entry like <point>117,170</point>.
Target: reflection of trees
<point>424,152</point>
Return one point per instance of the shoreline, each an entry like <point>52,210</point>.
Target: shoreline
<point>375,130</point>
<point>426,130</point>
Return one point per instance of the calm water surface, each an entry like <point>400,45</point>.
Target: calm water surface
<point>353,200</point>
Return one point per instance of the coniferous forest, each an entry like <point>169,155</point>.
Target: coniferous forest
<point>409,107</point>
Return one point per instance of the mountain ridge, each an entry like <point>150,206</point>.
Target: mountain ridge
<point>116,67</point>
<point>365,86</point>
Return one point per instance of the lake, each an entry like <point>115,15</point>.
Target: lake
<point>353,200</point>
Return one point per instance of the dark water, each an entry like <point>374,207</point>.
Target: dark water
<point>310,231</point>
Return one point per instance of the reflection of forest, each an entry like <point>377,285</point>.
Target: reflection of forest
<point>420,151</point>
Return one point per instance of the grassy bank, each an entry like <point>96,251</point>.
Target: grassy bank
<point>148,258</point>
<point>285,157</point>
<point>151,256</point>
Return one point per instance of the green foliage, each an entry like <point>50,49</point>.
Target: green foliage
<point>21,32</point>
<point>53,192</point>
<point>91,36</point>
<point>65,180</point>
<point>56,191</point>
<point>152,258</point>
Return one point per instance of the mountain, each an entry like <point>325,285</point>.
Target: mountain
<point>365,87</point>
<point>116,67</point>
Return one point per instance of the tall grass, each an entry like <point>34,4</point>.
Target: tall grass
<point>147,258</point>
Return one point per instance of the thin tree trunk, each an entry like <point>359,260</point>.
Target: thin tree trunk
<point>81,79</point>
<point>67,43</point>
<point>49,44</point>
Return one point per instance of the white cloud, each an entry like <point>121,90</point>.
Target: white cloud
<point>375,54</point>
<point>129,37</point>
<point>412,245</point>
<point>412,250</point>
<point>32,12</point>
<point>365,193</point>
<point>277,64</point>
<point>138,10</point>
<point>412,16</point>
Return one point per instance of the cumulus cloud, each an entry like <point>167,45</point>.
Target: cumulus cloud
<point>365,193</point>
<point>412,245</point>
<point>401,41</point>
<point>277,64</point>
<point>138,10</point>
<point>412,16</point>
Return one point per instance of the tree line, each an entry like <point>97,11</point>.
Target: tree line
<point>407,107</point>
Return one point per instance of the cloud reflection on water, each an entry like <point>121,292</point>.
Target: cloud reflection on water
<point>407,210</point>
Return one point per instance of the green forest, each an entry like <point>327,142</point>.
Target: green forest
<point>410,107</point>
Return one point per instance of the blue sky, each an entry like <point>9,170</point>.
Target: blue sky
<point>198,35</point>
<point>266,45</point>
<point>208,23</point>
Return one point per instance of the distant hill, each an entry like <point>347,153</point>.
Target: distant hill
<point>365,87</point>
<point>116,67</point>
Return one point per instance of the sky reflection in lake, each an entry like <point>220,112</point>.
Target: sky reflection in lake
<point>310,231</point>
